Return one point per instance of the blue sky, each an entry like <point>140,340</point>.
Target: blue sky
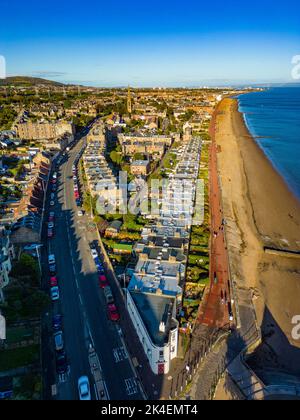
<point>155,43</point>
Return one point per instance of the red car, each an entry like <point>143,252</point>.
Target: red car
<point>112,312</point>
<point>103,281</point>
<point>53,181</point>
<point>50,233</point>
<point>53,281</point>
<point>76,194</point>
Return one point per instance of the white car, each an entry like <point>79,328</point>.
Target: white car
<point>80,213</point>
<point>50,225</point>
<point>54,293</point>
<point>51,203</point>
<point>84,389</point>
<point>94,253</point>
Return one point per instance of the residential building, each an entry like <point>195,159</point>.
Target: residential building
<point>140,167</point>
<point>6,255</point>
<point>155,290</point>
<point>43,130</point>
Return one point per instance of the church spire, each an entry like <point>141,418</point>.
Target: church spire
<point>129,101</point>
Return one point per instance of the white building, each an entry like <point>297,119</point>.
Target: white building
<point>6,255</point>
<point>153,316</point>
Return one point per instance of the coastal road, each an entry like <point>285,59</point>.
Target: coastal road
<point>82,304</point>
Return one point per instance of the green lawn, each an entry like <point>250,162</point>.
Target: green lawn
<point>14,335</point>
<point>11,359</point>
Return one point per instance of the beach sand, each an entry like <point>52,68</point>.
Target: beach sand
<point>260,212</point>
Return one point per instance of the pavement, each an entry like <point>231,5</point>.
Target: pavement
<point>85,321</point>
<point>214,308</point>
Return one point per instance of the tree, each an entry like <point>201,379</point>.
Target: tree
<point>116,157</point>
<point>27,266</point>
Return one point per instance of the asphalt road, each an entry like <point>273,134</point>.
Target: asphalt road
<point>82,304</point>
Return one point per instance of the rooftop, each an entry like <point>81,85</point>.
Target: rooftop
<point>154,310</point>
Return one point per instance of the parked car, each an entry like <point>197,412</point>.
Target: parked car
<point>58,341</point>
<point>101,270</point>
<point>50,233</point>
<point>51,259</point>
<point>54,293</point>
<point>84,389</point>
<point>57,322</point>
<point>52,203</point>
<point>50,225</point>
<point>108,295</point>
<point>52,268</point>
<point>112,312</point>
<point>52,196</point>
<point>61,363</point>
<point>102,281</point>
<point>51,216</point>
<point>94,253</point>
<point>53,281</point>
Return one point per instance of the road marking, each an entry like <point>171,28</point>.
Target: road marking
<point>131,386</point>
<point>120,354</point>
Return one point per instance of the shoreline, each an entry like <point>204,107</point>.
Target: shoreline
<point>260,212</point>
<point>270,161</point>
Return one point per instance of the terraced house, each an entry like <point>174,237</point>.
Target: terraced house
<point>155,291</point>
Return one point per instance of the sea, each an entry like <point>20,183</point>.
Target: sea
<point>273,118</point>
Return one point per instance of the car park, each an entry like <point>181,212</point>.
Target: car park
<point>84,389</point>
<point>54,293</point>
<point>112,312</point>
<point>58,341</point>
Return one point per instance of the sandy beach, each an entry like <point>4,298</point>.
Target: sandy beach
<point>261,212</point>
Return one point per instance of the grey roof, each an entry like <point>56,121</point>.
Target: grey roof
<point>154,309</point>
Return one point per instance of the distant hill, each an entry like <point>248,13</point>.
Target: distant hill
<point>27,81</point>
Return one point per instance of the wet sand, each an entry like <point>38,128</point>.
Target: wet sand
<point>260,211</point>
